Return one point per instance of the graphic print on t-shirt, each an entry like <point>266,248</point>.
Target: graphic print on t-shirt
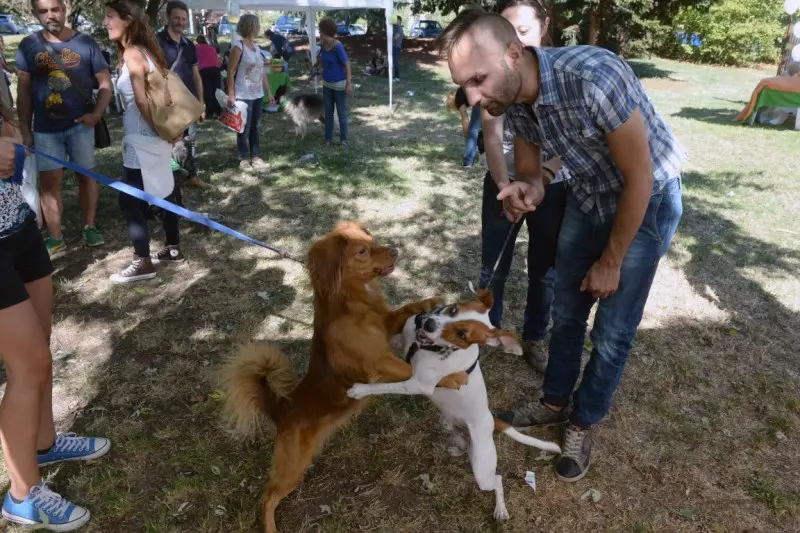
<point>57,81</point>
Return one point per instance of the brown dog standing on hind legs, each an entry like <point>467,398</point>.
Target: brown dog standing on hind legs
<point>350,344</point>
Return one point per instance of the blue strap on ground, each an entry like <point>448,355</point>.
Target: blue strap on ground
<point>144,196</point>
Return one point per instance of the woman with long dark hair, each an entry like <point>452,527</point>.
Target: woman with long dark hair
<point>530,19</point>
<point>146,157</point>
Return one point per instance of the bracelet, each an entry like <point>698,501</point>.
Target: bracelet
<point>552,174</point>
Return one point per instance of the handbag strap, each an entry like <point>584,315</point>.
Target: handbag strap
<point>178,57</point>
<point>165,74</point>
<point>54,56</point>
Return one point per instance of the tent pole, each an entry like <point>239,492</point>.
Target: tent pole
<point>389,30</point>
<point>311,28</point>
<point>191,22</point>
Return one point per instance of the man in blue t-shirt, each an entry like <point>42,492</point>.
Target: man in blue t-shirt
<point>59,105</point>
<point>182,59</point>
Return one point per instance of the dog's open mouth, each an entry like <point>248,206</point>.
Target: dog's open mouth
<point>423,339</point>
<point>383,272</point>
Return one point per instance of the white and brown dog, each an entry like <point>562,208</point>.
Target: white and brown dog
<point>443,342</point>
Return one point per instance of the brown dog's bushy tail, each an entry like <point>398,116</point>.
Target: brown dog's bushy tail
<point>256,381</point>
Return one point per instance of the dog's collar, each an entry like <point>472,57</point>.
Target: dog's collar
<point>471,368</point>
<point>435,348</point>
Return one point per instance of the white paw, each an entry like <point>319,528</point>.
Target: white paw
<point>501,513</point>
<point>357,391</point>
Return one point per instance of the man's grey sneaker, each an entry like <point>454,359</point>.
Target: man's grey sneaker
<point>534,413</point>
<point>168,254</point>
<point>535,354</point>
<point>576,454</point>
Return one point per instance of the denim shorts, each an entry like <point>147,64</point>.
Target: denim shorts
<point>76,142</point>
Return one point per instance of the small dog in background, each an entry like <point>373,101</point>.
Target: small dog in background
<point>304,110</point>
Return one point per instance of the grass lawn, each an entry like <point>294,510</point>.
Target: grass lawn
<point>704,431</point>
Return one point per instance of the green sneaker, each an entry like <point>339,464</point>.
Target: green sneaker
<point>55,247</point>
<point>92,236</point>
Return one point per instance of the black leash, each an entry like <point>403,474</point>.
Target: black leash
<point>502,251</point>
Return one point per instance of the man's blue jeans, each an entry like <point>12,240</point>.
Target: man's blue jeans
<point>581,242</point>
<point>473,130</point>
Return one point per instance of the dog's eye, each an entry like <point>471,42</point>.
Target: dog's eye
<point>462,334</point>
<point>363,251</point>
<point>453,311</point>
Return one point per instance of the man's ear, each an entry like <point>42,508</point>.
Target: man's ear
<point>508,341</point>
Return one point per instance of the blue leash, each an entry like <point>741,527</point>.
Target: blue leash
<point>19,162</point>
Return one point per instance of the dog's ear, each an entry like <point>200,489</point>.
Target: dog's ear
<point>507,341</point>
<point>325,263</point>
<point>486,298</point>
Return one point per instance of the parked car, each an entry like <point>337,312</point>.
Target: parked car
<point>287,26</point>
<point>33,28</point>
<point>350,29</point>
<point>425,29</point>
<point>9,25</point>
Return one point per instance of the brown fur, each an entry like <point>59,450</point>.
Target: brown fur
<point>352,325</point>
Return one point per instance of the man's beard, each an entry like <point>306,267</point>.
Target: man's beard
<point>511,88</point>
<point>54,27</point>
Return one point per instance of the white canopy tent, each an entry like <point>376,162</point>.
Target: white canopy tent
<point>310,7</point>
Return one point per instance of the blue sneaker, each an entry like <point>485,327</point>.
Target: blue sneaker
<point>69,447</point>
<point>44,508</point>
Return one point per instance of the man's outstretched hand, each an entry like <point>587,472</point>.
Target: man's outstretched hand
<point>519,198</point>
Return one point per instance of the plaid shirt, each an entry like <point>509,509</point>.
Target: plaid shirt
<point>586,93</point>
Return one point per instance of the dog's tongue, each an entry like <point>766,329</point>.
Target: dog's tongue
<point>386,271</point>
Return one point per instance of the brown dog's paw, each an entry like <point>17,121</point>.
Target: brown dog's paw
<point>454,381</point>
<point>431,303</point>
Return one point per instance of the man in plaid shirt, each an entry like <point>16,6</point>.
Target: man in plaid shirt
<point>586,106</point>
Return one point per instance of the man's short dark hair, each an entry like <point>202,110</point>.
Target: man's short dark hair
<point>176,4</point>
<point>473,17</point>
<point>269,33</point>
<point>34,8</point>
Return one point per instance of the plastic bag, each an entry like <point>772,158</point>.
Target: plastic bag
<point>233,117</point>
<point>30,191</point>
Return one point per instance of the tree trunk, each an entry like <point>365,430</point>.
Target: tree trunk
<point>595,22</point>
<point>153,9</point>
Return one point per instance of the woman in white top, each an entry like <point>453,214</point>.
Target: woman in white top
<point>247,81</point>
<point>129,27</point>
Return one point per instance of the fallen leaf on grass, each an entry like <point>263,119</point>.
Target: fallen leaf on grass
<point>544,456</point>
<point>220,510</point>
<point>687,512</point>
<point>215,470</point>
<point>325,509</point>
<point>263,295</point>
<point>426,481</point>
<point>60,355</point>
<point>592,494</point>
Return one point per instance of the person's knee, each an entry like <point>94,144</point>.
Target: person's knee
<point>32,369</point>
<point>50,182</point>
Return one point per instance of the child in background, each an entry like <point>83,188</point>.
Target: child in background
<point>376,67</point>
